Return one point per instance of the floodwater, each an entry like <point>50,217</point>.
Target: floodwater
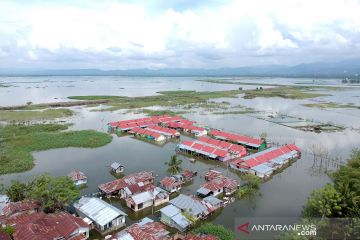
<point>282,196</point>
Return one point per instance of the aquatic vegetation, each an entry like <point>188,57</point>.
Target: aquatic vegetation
<point>17,142</point>
<point>164,98</point>
<point>331,105</point>
<point>289,92</point>
<point>217,230</point>
<point>24,115</point>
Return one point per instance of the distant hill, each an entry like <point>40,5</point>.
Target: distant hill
<point>347,68</point>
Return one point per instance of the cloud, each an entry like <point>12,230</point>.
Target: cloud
<point>156,33</point>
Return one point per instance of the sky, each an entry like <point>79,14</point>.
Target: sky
<point>114,34</point>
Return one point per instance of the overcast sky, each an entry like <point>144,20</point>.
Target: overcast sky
<point>110,34</point>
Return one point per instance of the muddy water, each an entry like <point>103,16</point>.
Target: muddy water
<point>283,195</point>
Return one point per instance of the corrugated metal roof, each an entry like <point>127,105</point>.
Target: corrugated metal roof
<point>263,168</point>
<point>142,197</point>
<point>98,210</point>
<point>170,210</point>
<point>212,200</point>
<point>189,203</point>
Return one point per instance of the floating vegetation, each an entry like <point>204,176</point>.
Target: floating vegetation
<point>298,123</point>
<point>324,105</point>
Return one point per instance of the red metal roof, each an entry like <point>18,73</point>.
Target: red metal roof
<point>236,137</point>
<point>148,231</point>
<point>42,226</point>
<point>126,181</point>
<point>77,175</point>
<point>22,206</point>
<point>220,182</point>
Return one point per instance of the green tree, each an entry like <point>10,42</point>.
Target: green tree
<point>174,165</point>
<point>17,191</point>
<point>217,230</point>
<point>7,229</point>
<point>53,193</point>
<point>324,202</point>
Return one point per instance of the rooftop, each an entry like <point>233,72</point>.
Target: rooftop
<point>126,181</point>
<point>98,210</point>
<point>145,231</point>
<point>76,175</point>
<point>190,204</point>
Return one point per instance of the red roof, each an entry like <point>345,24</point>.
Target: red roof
<point>148,231</point>
<point>22,206</point>
<point>168,182</point>
<point>266,157</point>
<point>126,181</point>
<point>42,226</point>
<point>188,173</point>
<point>236,137</point>
<point>77,175</point>
<point>220,182</point>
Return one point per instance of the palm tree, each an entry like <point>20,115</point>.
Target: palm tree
<point>174,165</point>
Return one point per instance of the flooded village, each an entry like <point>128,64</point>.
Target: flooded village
<point>165,174</point>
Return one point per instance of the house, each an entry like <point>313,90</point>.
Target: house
<point>194,130</point>
<point>167,132</point>
<point>148,134</point>
<point>41,226</point>
<point>144,230</point>
<point>171,184</point>
<point>79,178</point>
<point>188,175</point>
<point>218,185</point>
<point>104,217</point>
<point>21,207</point>
<point>248,142</point>
<point>213,202</point>
<point>116,168</point>
<point>173,217</point>
<point>193,206</point>
<point>212,174</point>
<point>263,164</point>
<point>154,197</point>
<point>128,185</point>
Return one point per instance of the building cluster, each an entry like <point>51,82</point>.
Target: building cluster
<point>138,191</point>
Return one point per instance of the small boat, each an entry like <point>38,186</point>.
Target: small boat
<point>192,160</point>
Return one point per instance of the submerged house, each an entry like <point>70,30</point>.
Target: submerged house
<point>248,142</point>
<point>173,217</point>
<point>212,149</point>
<point>263,164</point>
<point>128,185</point>
<point>116,168</point>
<point>144,230</point>
<point>148,134</point>
<point>43,226</point>
<point>19,208</point>
<point>171,184</point>
<point>213,202</point>
<point>217,184</point>
<point>167,132</point>
<point>79,178</point>
<point>188,175</point>
<point>103,216</point>
<point>154,197</point>
<point>193,206</point>
<point>127,125</point>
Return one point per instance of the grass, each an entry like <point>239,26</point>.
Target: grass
<point>165,98</point>
<point>17,142</point>
<point>217,230</point>
<point>331,105</point>
<point>241,83</point>
<point>288,92</point>
<point>23,115</point>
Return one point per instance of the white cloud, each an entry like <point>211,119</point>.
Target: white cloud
<point>112,34</point>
